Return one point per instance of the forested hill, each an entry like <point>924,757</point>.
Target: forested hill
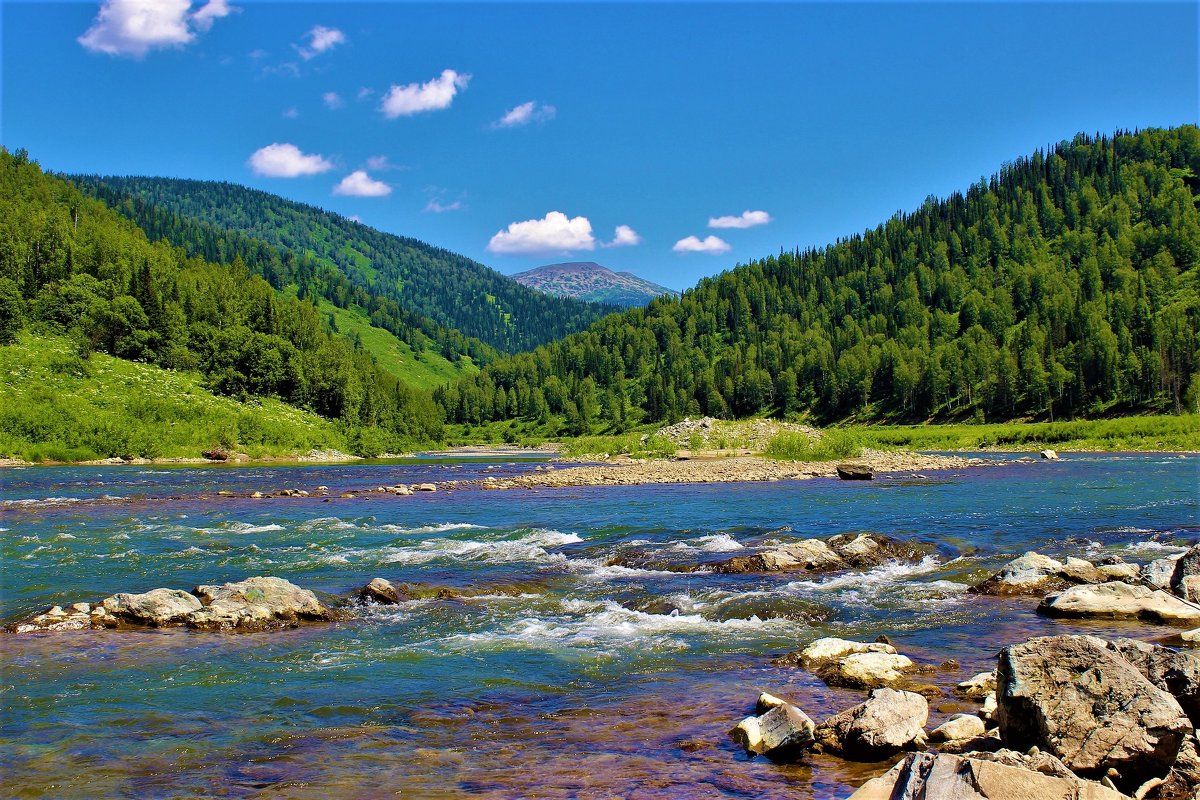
<point>71,266</point>
<point>1066,284</point>
<point>449,289</point>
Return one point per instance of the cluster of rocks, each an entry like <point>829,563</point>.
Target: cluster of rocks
<point>752,435</point>
<point>255,604</point>
<point>841,552</point>
<point>1164,591</point>
<point>1066,717</point>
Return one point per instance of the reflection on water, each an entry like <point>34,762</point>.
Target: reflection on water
<point>573,658</point>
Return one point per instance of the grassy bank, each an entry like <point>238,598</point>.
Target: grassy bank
<point>56,406</point>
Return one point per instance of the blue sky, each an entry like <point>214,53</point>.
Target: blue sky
<point>636,135</point>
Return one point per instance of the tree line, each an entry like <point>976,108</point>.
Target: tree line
<point>1066,284</point>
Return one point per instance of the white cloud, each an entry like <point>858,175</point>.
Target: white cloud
<point>437,207</point>
<point>552,234</point>
<point>710,244</point>
<point>364,93</point>
<point>747,219</point>
<point>135,27</point>
<point>332,100</point>
<point>623,236</point>
<point>434,95</point>
<point>378,163</point>
<point>320,40</point>
<point>213,10</point>
<point>286,161</point>
<point>525,114</point>
<point>360,184</point>
<point>291,112</point>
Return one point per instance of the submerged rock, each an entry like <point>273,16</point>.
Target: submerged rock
<point>1114,600</point>
<point>1075,698</point>
<point>383,592</point>
<point>938,776</point>
<point>887,723</point>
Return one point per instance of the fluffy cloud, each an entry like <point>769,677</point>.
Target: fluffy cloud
<point>360,184</point>
<point>623,236</point>
<point>554,233</point>
<point>747,219</point>
<point>286,161</point>
<point>332,100</point>
<point>525,114</point>
<point>709,244</point>
<point>291,112</point>
<point>135,27</point>
<point>434,95</point>
<point>320,40</point>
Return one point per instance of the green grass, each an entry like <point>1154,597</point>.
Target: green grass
<point>56,406</point>
<point>836,443</point>
<point>425,371</point>
<point>1162,433</point>
<point>630,444</point>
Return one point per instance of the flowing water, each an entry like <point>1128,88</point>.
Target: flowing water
<point>563,675</point>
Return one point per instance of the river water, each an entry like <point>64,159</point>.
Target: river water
<point>563,676</point>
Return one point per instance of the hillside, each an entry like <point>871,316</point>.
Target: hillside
<point>451,290</point>
<point>1067,284</point>
<point>55,405</point>
<point>589,281</point>
<point>71,267</point>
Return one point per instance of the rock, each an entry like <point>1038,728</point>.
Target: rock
<point>1129,573</point>
<point>257,495</point>
<point>1190,638</point>
<point>959,726</point>
<point>401,490</point>
<point>867,670</point>
<point>1174,672</point>
<point>1189,588</point>
<point>1183,779</point>
<point>977,687</point>
<point>382,592</point>
<point>1049,455</point>
<point>766,702</point>
<point>854,472</point>
<point>845,551</point>
<point>782,733</point>
<point>939,776</point>
<point>259,603</point>
<point>823,651</point>
<point>1076,699</point>
<point>1158,573</point>
<point>1034,573</point>
<point>887,723</point>
<point>156,608</point>
<point>216,454</point>
<point>1115,600</point>
<point>425,487</point>
<point>990,709</point>
<point>1186,565</point>
<point>987,742</point>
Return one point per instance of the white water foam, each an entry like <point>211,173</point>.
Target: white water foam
<point>441,527</point>
<point>528,548</point>
<point>716,543</point>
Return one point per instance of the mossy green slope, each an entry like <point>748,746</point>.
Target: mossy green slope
<point>57,406</point>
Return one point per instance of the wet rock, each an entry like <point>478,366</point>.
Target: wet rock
<point>845,551</point>
<point>1034,573</point>
<point>156,608</point>
<point>782,733</point>
<point>887,723</point>
<point>1172,671</point>
<point>977,687</point>
<point>1114,600</point>
<point>939,776</point>
<point>56,619</point>
<point>382,592</point>
<point>260,603</point>
<point>959,726</point>
<point>829,649</point>
<point>1158,573</point>
<point>1073,697</point>
<point>867,670</point>
<point>1049,455</point>
<point>425,487</point>
<point>855,472</point>
<point>1187,565</point>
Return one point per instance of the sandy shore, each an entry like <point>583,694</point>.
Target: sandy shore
<point>631,472</point>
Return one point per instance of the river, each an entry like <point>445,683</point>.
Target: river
<point>563,675</point>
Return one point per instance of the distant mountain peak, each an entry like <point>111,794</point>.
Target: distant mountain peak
<point>587,280</point>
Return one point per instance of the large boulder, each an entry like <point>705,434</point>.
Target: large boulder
<point>1158,573</point>
<point>256,604</point>
<point>156,608</point>
<point>1186,566</point>
<point>887,723</point>
<point>1175,672</point>
<point>1115,600</point>
<point>938,776</point>
<point>1034,573</point>
<point>1075,698</point>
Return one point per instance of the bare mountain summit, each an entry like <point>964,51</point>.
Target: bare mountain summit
<point>587,280</point>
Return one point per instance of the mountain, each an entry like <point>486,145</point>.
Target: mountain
<point>72,267</point>
<point>453,291</point>
<point>587,280</point>
<point>1067,284</point>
